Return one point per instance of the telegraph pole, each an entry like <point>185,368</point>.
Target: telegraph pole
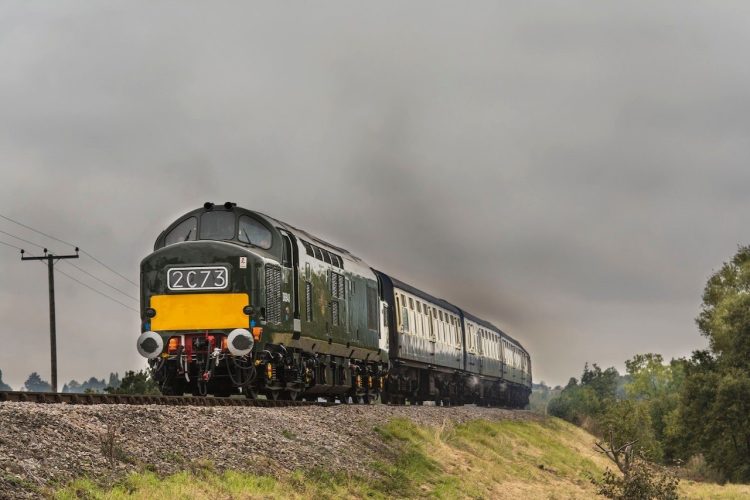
<point>51,260</point>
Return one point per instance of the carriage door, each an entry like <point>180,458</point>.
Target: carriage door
<point>290,261</point>
<point>480,350</point>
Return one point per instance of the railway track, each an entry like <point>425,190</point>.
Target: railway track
<point>145,399</point>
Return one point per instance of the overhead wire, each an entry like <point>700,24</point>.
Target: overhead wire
<point>93,289</point>
<point>21,239</point>
<point>9,245</point>
<point>71,245</point>
<point>73,265</point>
<point>77,267</point>
<point>106,266</point>
<point>36,231</point>
<point>101,281</point>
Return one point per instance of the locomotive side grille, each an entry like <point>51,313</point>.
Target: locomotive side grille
<point>335,312</point>
<point>273,294</point>
<point>337,285</point>
<point>334,284</point>
<point>308,301</point>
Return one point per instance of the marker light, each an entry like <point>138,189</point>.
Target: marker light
<point>150,345</point>
<point>173,344</point>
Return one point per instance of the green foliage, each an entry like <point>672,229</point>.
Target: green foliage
<point>645,481</point>
<point>725,314</point>
<point>641,405</point>
<point>580,403</point>
<point>135,383</point>
<point>630,420</point>
<point>540,397</point>
<point>35,384</point>
<point>713,414</point>
<point>92,385</point>
<point>658,386</point>
<point>3,385</point>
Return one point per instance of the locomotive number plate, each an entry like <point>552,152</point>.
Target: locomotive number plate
<point>198,278</point>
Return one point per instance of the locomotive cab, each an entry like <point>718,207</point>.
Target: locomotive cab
<point>203,302</point>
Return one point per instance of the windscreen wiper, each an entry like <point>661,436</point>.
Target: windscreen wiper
<point>247,237</point>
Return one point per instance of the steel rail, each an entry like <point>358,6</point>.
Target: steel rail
<point>145,399</point>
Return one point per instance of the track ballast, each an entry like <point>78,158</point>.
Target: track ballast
<point>145,399</point>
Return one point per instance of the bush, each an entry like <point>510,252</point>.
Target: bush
<point>645,481</point>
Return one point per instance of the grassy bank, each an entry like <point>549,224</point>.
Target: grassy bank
<point>480,459</point>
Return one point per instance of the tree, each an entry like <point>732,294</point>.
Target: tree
<point>35,384</point>
<point>582,404</point>
<point>73,387</point>
<point>3,385</point>
<point>135,383</point>
<point>629,420</point>
<point>713,413</point>
<point>114,380</point>
<point>640,479</point>
<point>657,385</point>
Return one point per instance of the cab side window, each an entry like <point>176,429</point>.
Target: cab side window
<point>253,232</point>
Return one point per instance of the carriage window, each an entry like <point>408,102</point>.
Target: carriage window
<point>411,304</point>
<point>253,232</point>
<point>184,231</point>
<point>308,248</point>
<point>217,225</point>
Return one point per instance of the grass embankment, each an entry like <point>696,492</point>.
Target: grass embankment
<point>505,459</point>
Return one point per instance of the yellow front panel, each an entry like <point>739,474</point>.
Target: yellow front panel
<point>200,311</point>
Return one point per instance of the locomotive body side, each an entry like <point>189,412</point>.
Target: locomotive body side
<point>307,318</point>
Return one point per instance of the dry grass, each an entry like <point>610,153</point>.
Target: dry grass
<point>693,490</point>
<point>547,459</point>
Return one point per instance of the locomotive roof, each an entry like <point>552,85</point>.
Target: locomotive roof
<point>447,305</point>
<point>273,222</point>
<point>301,232</point>
<point>492,327</point>
<point>422,294</point>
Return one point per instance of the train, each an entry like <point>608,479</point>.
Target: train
<point>235,302</point>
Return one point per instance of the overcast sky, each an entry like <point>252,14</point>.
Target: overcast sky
<point>572,171</point>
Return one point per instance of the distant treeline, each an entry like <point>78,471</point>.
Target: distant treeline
<point>132,383</point>
<point>694,411</point>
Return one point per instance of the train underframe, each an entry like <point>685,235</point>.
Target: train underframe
<point>275,371</point>
<point>417,383</point>
<point>201,367</point>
